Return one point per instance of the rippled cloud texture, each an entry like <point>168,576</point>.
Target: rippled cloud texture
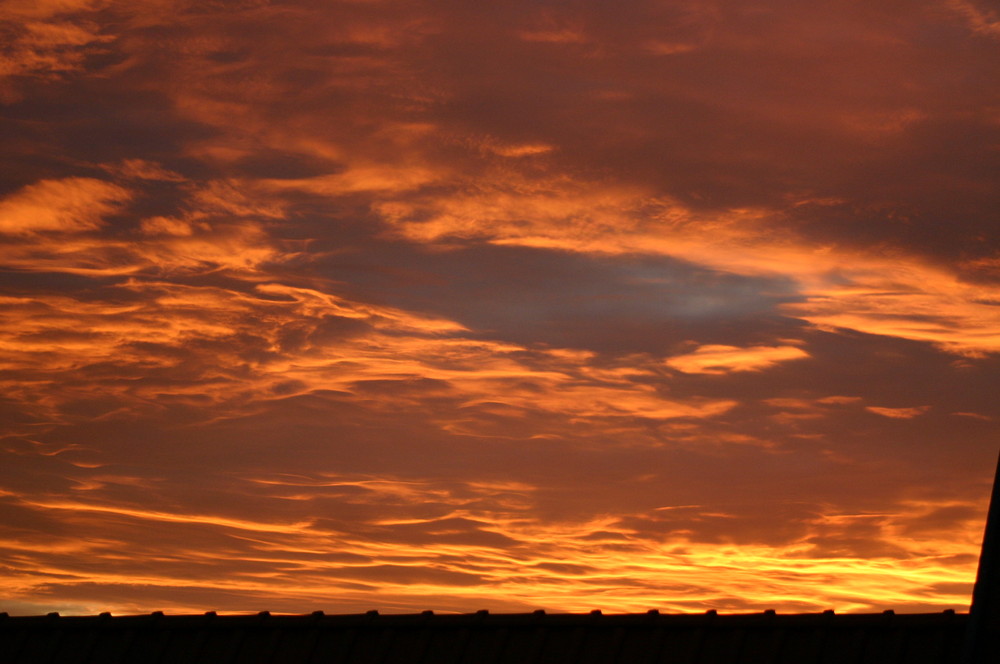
<point>675,304</point>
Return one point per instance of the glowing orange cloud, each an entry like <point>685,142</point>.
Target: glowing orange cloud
<point>904,413</point>
<point>919,301</point>
<point>716,359</point>
<point>571,565</point>
<point>67,206</point>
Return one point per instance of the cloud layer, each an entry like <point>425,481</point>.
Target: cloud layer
<point>352,305</point>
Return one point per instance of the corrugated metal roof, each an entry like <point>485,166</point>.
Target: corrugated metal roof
<point>429,638</point>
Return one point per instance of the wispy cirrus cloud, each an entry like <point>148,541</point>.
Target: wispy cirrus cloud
<point>422,542</point>
<point>64,226</point>
<point>904,413</point>
<point>980,19</point>
<point>47,40</point>
<point>229,346</point>
<point>714,359</point>
<point>69,205</point>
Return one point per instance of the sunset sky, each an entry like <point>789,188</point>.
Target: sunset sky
<point>455,305</point>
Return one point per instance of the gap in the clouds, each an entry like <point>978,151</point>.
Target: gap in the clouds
<point>621,304</point>
<point>36,282</point>
<point>112,125</point>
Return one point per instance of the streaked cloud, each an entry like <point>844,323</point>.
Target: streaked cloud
<point>903,413</point>
<point>69,205</point>
<point>982,20</point>
<point>47,40</point>
<point>468,546</point>
<point>717,359</point>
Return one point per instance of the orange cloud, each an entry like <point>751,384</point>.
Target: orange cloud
<point>362,178</point>
<point>144,170</point>
<point>220,230</point>
<point>898,413</point>
<point>716,359</point>
<point>910,301</point>
<point>555,35</point>
<point>389,345</point>
<point>46,8</point>
<point>661,47</point>
<point>896,295</point>
<point>979,19</point>
<point>45,40</point>
<point>473,548</point>
<point>70,205</point>
<point>149,515</point>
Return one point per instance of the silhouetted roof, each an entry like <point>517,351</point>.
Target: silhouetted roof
<point>429,638</point>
